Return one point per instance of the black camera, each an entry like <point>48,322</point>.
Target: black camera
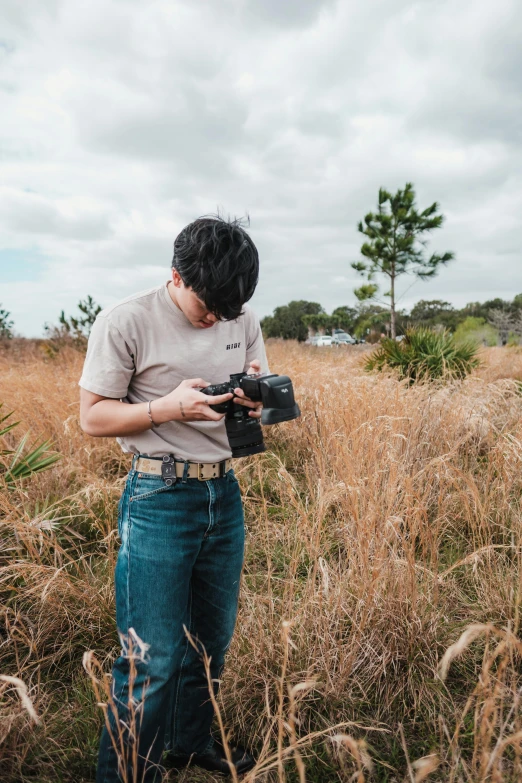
<point>244,433</point>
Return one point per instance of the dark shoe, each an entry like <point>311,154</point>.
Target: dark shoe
<point>214,759</point>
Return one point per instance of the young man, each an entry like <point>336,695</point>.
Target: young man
<point>181,552</point>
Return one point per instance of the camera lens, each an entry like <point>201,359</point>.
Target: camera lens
<point>244,436</point>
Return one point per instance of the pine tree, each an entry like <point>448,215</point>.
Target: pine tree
<point>396,242</point>
<point>81,327</point>
<point>6,325</point>
<point>74,330</point>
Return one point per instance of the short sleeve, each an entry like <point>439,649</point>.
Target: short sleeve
<point>109,364</point>
<point>255,345</point>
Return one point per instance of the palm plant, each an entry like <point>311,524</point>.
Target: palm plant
<point>17,463</point>
<point>424,354</point>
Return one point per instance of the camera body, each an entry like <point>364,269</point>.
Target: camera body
<point>244,432</point>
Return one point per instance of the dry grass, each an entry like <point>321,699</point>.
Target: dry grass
<point>381,525</point>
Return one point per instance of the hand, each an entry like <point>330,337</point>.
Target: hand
<point>187,403</point>
<point>254,367</point>
<point>241,399</point>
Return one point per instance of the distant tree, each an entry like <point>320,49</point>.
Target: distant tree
<point>372,321</point>
<point>324,323</point>
<point>287,322</point>
<point>311,321</point>
<point>74,330</point>
<point>434,313</point>
<point>341,318</point>
<point>477,330</point>
<point>516,327</point>
<point>482,309</point>
<point>427,309</point>
<point>82,326</point>
<point>396,241</point>
<point>506,317</point>
<point>504,322</point>
<point>6,325</point>
<point>344,318</point>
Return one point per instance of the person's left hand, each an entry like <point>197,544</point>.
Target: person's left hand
<point>242,399</point>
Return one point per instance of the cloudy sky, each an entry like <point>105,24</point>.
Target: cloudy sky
<point>124,120</point>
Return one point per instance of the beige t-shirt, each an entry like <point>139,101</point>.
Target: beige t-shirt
<point>143,347</point>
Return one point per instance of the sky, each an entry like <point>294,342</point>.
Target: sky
<point>122,121</point>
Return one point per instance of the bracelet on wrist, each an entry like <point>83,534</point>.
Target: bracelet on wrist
<point>149,413</point>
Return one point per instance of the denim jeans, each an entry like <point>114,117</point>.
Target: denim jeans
<point>179,564</point>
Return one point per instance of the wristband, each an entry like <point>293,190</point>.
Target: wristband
<point>150,414</point>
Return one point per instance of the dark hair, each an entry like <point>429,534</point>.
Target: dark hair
<point>217,259</point>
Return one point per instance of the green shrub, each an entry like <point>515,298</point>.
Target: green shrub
<point>19,463</point>
<point>476,330</point>
<point>424,354</point>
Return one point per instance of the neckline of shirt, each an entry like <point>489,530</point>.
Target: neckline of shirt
<point>183,318</point>
<point>173,306</point>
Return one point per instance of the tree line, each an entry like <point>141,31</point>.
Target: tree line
<point>490,322</point>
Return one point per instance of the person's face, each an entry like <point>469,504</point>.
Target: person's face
<point>190,305</point>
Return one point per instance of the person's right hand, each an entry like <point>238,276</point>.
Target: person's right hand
<point>187,403</point>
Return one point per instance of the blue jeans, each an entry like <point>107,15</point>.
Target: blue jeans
<point>179,564</point>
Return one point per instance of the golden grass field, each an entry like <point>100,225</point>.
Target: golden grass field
<point>379,634</point>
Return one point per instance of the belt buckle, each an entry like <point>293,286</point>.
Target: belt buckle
<point>168,470</point>
<point>200,466</point>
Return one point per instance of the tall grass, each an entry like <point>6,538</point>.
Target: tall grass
<point>382,525</point>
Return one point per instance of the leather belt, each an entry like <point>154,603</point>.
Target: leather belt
<point>204,471</point>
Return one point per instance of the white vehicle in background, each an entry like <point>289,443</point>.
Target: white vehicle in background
<point>342,338</point>
<point>322,339</point>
